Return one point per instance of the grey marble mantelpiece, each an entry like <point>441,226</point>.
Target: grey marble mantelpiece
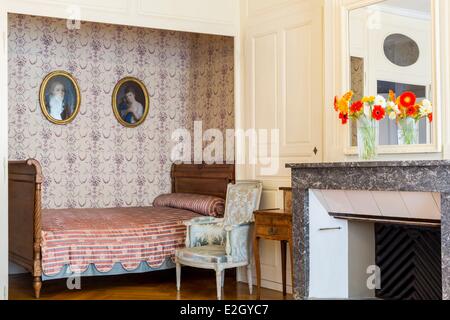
<point>408,176</point>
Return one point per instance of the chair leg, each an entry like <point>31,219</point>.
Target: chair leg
<point>250,278</point>
<point>223,278</point>
<point>178,267</point>
<point>219,284</point>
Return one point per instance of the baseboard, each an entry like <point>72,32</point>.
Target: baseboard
<point>268,284</point>
<point>14,269</point>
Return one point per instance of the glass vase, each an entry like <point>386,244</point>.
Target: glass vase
<point>367,138</point>
<point>408,131</point>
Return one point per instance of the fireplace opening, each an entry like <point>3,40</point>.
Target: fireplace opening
<point>409,258</point>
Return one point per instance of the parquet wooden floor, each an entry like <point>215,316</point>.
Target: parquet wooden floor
<point>195,285</point>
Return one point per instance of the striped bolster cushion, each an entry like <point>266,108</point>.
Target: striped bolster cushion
<point>204,205</point>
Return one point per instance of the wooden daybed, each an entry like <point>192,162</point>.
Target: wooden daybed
<point>26,213</point>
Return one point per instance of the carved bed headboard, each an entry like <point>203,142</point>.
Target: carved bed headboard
<point>205,179</point>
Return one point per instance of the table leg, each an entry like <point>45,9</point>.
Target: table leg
<point>258,267</point>
<point>283,265</point>
<point>291,247</point>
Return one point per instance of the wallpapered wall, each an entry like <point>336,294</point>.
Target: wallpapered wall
<point>94,161</point>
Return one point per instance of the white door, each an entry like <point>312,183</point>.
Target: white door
<point>283,90</point>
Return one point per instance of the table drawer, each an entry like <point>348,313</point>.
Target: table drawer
<point>273,221</point>
<point>273,231</point>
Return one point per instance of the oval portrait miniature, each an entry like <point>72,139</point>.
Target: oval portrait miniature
<point>60,97</point>
<point>130,102</point>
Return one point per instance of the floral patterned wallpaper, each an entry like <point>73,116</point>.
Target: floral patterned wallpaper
<point>94,161</point>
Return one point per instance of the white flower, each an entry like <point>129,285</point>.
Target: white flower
<point>367,109</point>
<point>425,111</point>
<point>380,101</point>
<point>391,105</point>
<point>426,103</point>
<point>392,115</point>
<point>426,108</point>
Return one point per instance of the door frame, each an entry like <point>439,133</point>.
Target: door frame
<point>3,153</point>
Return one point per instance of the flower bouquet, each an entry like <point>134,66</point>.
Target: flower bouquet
<point>407,112</point>
<point>367,112</point>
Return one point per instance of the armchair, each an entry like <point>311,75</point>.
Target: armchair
<point>221,244</point>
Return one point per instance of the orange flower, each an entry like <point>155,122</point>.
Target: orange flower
<point>378,113</point>
<point>392,95</point>
<point>336,108</point>
<point>356,107</point>
<point>411,111</point>
<point>343,117</point>
<point>407,99</point>
<point>348,96</point>
<point>342,104</point>
<point>430,117</point>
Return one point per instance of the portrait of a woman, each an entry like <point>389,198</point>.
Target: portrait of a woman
<point>130,102</point>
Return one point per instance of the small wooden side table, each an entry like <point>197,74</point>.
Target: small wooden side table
<point>273,225</point>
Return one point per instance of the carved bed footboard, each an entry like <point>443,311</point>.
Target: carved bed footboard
<point>25,180</point>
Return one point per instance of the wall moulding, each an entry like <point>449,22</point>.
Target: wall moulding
<point>222,21</point>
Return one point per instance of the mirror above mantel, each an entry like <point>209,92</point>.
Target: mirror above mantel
<point>391,45</point>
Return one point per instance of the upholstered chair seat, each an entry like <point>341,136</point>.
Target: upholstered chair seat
<point>226,243</point>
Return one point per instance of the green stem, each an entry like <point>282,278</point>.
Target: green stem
<point>368,136</point>
<point>408,132</point>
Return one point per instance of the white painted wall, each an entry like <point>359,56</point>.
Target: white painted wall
<point>328,252</point>
<point>340,253</point>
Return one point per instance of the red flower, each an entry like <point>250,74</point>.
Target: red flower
<point>411,111</point>
<point>407,99</point>
<point>430,117</point>
<point>378,113</point>
<point>356,107</point>
<point>343,117</point>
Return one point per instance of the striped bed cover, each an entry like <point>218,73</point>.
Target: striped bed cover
<point>79,238</point>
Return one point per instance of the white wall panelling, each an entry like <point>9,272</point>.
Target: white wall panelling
<point>283,59</point>
<point>283,90</point>
<point>203,16</point>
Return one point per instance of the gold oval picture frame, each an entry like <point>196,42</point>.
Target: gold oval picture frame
<point>59,97</point>
<point>130,102</point>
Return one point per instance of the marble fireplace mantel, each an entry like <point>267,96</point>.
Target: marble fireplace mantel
<point>407,176</point>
